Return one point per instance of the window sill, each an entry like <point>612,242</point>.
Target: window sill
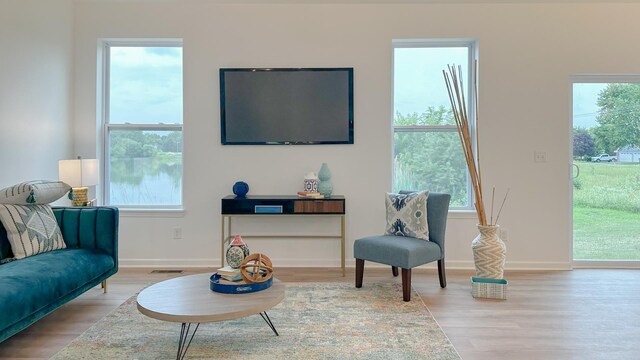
<point>463,214</point>
<point>152,213</point>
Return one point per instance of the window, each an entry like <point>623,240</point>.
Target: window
<point>426,148</point>
<point>142,124</point>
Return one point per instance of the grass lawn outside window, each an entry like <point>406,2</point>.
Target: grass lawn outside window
<point>606,212</point>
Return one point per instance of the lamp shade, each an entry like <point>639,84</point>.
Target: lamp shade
<point>78,172</point>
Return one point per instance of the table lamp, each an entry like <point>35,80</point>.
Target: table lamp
<point>79,174</point>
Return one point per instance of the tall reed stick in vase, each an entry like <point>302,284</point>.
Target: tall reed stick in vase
<point>455,89</point>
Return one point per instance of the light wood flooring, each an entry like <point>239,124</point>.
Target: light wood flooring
<point>579,314</point>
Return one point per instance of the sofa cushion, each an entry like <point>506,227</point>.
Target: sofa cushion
<point>34,192</point>
<point>36,282</point>
<point>31,229</point>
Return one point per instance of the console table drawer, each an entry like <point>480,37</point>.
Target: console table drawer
<point>318,207</point>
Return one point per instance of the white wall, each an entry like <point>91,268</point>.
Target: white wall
<point>35,88</point>
<point>527,53</point>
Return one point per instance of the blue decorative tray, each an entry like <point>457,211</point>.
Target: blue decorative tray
<point>216,286</point>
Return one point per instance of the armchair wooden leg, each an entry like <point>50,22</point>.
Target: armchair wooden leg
<point>406,284</point>
<point>394,270</point>
<point>359,272</point>
<point>441,275</point>
<point>104,286</point>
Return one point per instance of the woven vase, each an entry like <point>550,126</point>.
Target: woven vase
<point>489,252</point>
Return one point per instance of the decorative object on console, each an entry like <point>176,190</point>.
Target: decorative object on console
<point>310,195</point>
<point>236,252</point>
<point>256,268</point>
<point>325,187</point>
<point>240,188</point>
<point>489,252</point>
<point>80,174</point>
<point>34,192</point>
<point>311,183</point>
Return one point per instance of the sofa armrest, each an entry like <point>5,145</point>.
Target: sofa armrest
<point>93,227</point>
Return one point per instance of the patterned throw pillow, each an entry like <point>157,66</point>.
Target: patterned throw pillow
<point>34,192</point>
<point>407,215</point>
<point>31,229</point>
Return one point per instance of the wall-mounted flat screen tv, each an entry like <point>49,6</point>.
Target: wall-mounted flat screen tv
<point>286,106</point>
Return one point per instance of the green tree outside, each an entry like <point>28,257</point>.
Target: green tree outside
<point>430,160</point>
<point>618,117</point>
<point>583,143</point>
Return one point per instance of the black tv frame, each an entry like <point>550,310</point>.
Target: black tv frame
<point>223,138</point>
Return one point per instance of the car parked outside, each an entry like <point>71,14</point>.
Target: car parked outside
<point>603,157</point>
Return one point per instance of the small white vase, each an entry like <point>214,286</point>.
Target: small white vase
<point>489,252</point>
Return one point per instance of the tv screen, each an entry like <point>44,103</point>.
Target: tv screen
<point>286,106</point>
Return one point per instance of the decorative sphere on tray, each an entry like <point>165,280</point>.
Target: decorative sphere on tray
<point>256,268</point>
<point>236,252</point>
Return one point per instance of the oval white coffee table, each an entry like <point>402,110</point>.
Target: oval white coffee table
<point>189,300</point>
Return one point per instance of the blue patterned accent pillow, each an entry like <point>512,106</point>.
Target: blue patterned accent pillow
<point>407,215</point>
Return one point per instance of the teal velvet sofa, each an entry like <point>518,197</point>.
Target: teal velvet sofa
<point>32,287</point>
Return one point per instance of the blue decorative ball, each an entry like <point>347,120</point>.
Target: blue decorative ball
<point>240,188</point>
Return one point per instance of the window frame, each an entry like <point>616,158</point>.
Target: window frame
<point>107,127</point>
<point>472,51</point>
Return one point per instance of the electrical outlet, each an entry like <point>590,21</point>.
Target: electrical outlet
<point>539,156</point>
<point>504,234</point>
<point>177,233</point>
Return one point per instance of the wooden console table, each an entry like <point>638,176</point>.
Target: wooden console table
<point>279,206</point>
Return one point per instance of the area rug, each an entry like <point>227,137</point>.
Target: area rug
<point>315,321</point>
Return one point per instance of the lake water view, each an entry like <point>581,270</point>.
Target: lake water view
<point>150,181</point>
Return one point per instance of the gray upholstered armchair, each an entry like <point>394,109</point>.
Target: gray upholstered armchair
<point>407,252</point>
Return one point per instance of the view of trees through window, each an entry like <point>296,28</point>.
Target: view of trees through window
<point>144,126</point>
<point>606,184</point>
<point>614,125</point>
<point>427,154</point>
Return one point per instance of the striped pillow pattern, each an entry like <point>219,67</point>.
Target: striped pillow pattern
<point>31,229</point>
<point>34,192</point>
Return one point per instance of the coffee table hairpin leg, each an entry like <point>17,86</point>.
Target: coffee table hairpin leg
<point>265,317</point>
<point>184,334</point>
<point>183,345</point>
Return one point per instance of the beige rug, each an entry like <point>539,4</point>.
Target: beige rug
<point>315,321</point>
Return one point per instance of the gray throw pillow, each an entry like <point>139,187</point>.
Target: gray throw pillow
<point>407,215</point>
<point>34,192</point>
<point>31,229</point>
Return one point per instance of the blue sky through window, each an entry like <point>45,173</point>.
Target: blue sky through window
<point>418,80</point>
<point>145,85</point>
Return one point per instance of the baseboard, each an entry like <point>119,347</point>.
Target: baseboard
<point>512,265</point>
<point>168,263</point>
<point>350,263</point>
<point>606,264</point>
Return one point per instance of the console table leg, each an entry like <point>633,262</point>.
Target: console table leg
<point>222,239</point>
<point>265,317</point>
<point>342,236</point>
<point>184,335</point>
